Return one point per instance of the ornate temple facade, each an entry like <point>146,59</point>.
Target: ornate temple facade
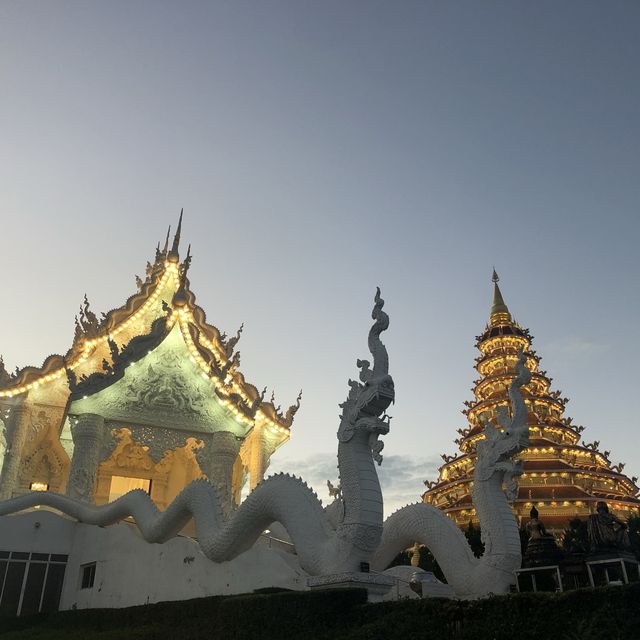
<point>563,477</point>
<point>149,396</point>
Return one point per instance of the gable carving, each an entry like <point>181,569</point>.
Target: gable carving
<point>163,389</point>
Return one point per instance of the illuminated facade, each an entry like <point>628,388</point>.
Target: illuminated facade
<point>149,396</point>
<point>563,477</point>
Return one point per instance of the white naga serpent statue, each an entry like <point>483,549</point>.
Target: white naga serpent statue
<point>349,531</point>
<point>494,571</point>
<point>331,541</point>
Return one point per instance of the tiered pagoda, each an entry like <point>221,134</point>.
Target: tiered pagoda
<point>148,396</point>
<point>563,477</point>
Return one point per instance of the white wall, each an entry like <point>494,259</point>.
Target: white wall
<point>130,571</point>
<point>3,443</point>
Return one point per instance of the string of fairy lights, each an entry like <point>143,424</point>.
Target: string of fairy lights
<point>184,317</point>
<point>89,345</point>
<point>497,359</point>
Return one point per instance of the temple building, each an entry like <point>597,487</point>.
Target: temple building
<point>563,477</point>
<point>149,396</point>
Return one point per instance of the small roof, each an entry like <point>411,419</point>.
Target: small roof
<point>550,464</point>
<point>558,492</point>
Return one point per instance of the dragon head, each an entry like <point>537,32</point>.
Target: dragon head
<point>502,443</point>
<point>364,409</point>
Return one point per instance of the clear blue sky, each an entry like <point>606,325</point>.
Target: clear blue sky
<point>320,149</point>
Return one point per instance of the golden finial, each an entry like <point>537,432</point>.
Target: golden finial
<point>499,310</point>
<point>180,296</point>
<point>186,264</point>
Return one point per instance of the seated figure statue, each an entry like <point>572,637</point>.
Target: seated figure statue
<point>541,547</point>
<point>606,531</point>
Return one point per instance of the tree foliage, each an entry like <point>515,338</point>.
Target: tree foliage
<point>428,561</point>
<point>576,537</point>
<point>343,614</point>
<point>634,534</point>
<point>474,537</point>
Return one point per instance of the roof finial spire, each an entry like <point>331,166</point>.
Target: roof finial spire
<point>173,254</point>
<point>180,296</point>
<point>186,264</point>
<point>166,243</point>
<point>499,310</point>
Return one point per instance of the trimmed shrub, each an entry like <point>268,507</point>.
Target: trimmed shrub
<point>343,614</point>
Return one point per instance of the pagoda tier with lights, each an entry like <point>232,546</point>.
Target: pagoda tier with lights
<point>148,396</point>
<point>563,477</point>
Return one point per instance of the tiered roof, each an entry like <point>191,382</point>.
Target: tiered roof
<point>563,477</point>
<point>102,348</point>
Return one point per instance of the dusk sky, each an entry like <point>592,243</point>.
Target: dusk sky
<point>320,149</point>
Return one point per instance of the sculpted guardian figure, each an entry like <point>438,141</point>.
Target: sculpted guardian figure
<point>541,547</point>
<point>606,531</point>
<point>349,533</point>
<point>493,484</point>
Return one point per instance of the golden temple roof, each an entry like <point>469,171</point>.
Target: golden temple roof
<point>562,476</point>
<point>164,294</point>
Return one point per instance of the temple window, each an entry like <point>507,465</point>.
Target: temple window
<point>123,484</point>
<point>30,582</point>
<point>88,575</point>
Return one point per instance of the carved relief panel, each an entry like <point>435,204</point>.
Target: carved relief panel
<point>163,389</point>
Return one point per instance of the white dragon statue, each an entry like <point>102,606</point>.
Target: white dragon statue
<point>334,540</point>
<point>349,531</point>
<point>495,468</point>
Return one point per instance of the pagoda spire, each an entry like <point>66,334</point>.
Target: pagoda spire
<point>562,477</point>
<point>499,310</point>
<point>173,254</point>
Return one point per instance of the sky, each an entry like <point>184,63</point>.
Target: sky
<point>320,149</point>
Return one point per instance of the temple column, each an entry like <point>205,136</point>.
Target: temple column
<point>224,451</point>
<point>16,437</point>
<point>259,457</point>
<point>87,435</point>
<point>159,486</point>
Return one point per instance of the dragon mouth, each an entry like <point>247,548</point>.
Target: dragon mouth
<point>379,402</point>
<point>383,429</point>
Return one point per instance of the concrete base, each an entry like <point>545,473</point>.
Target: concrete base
<point>413,582</point>
<point>376,585</point>
<point>626,562</point>
<point>430,587</point>
<point>130,571</point>
<point>614,554</point>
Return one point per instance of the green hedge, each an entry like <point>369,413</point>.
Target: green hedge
<point>611,614</point>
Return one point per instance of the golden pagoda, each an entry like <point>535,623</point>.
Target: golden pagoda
<point>149,396</point>
<point>563,477</point>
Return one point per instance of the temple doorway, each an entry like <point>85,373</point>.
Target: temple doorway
<point>131,465</point>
